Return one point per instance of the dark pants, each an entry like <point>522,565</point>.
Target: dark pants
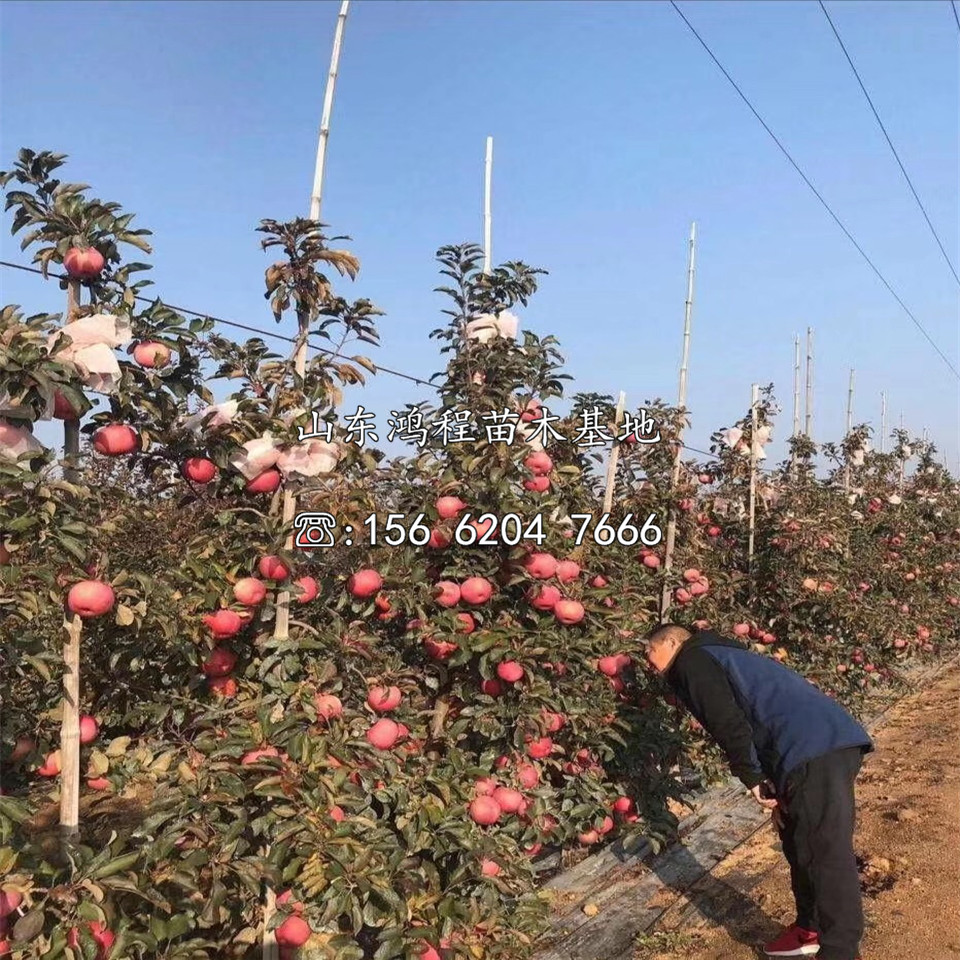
<point>817,840</point>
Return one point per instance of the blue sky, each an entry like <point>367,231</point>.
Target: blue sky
<point>613,131</point>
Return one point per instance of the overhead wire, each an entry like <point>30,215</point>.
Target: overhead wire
<point>228,323</point>
<point>817,193</point>
<point>956,16</point>
<point>893,149</point>
<point>269,333</point>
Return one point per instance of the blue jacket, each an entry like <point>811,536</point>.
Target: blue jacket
<point>768,719</point>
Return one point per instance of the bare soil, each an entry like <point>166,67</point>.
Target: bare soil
<point>908,845</point>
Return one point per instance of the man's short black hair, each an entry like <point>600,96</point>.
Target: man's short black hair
<point>668,631</point>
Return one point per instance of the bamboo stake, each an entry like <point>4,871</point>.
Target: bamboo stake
<point>614,458</point>
<point>282,623</point>
<point>670,546</point>
<point>883,422</point>
<point>70,704</point>
<point>808,415</point>
<point>70,732</point>
<point>487,207</point>
<point>796,386</point>
<point>796,403</point>
<point>846,475</point>
<point>903,462</point>
<point>754,400</point>
<point>317,195</point>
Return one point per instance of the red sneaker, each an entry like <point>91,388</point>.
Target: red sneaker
<point>794,942</point>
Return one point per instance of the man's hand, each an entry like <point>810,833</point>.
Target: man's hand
<point>763,794</point>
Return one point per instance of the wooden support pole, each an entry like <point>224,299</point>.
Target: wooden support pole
<point>317,195</point>
<point>671,542</point>
<point>796,403</point>
<point>796,386</point>
<point>614,458</point>
<point>271,950</point>
<point>903,462</point>
<point>754,401</point>
<point>883,422</point>
<point>808,413</point>
<point>70,704</point>
<point>488,208</point>
<point>847,471</point>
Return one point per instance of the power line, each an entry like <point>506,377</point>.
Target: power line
<point>270,333</point>
<point>956,16</point>
<point>280,336</point>
<point>893,149</point>
<point>817,193</point>
<point>230,323</point>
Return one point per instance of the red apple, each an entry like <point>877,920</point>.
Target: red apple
<point>568,611</point>
<point>476,590</point>
<point>508,800</point>
<point>308,587</point>
<point>90,598</point>
<point>293,932</point>
<point>51,766</point>
<point>537,484</point>
<point>540,748</point>
<point>115,439</point>
<point>610,666</point>
<point>63,409</point>
<point>510,671</point>
<point>365,583</point>
<point>384,699</point>
<point>542,566</point>
<point>223,623</point>
<point>383,734</point>
<point>223,686</point>
<point>328,706</point>
<point>220,662</point>
<point>545,597</point>
<point>89,729</point>
<point>10,901</point>
<point>438,540</point>
<point>492,688</point>
<point>652,561</point>
<point>198,469</point>
<point>567,570</point>
<point>449,507</point>
<point>485,786</point>
<point>250,591</point>
<point>539,463</point>
<point>252,756</point>
<point>265,482</point>
<point>83,263</point>
<point>489,868</point>
<point>149,354</point>
<point>553,721</point>
<point>102,937</point>
<point>599,582</point>
<point>446,593</point>
<point>485,811</point>
<point>440,649</point>
<point>273,568</point>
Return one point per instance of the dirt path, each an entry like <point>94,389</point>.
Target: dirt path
<point>908,838</point>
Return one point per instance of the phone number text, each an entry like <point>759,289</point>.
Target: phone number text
<point>320,530</point>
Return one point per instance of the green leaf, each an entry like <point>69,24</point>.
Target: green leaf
<point>117,865</point>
